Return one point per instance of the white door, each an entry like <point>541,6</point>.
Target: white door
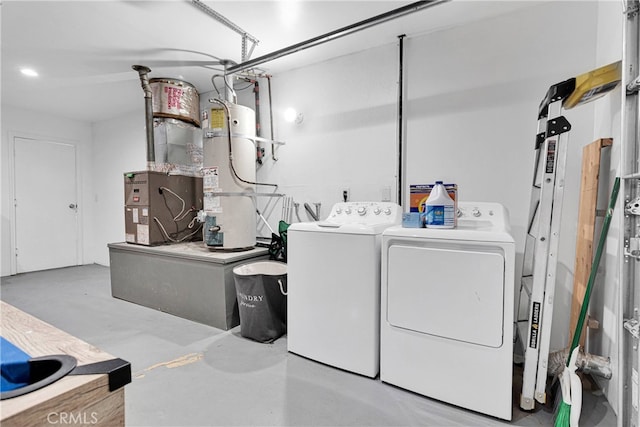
<point>46,210</point>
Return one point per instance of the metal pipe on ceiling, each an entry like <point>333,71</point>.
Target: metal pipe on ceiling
<point>336,34</point>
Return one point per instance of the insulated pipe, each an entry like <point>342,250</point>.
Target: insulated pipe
<point>311,213</point>
<point>587,363</point>
<point>336,34</point>
<point>400,119</point>
<point>273,147</point>
<point>256,95</point>
<point>148,104</point>
<point>256,98</point>
<point>229,92</point>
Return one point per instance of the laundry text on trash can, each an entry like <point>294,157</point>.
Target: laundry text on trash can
<point>250,298</point>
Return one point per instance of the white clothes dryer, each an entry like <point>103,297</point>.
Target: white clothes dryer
<point>333,281</point>
<point>447,310</point>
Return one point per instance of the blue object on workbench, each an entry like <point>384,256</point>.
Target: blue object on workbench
<point>22,374</point>
<point>14,366</point>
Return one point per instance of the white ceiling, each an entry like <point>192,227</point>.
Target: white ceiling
<point>84,50</point>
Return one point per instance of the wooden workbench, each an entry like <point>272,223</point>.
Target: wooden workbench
<point>74,399</point>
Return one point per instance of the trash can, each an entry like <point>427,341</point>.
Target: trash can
<point>261,289</point>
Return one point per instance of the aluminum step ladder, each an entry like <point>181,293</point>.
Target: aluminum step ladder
<point>538,282</point>
<point>541,246</point>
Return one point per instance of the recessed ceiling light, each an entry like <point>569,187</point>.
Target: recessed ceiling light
<point>29,72</point>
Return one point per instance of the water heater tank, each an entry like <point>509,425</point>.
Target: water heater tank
<point>230,212</point>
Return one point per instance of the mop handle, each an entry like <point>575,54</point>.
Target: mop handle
<point>594,267</point>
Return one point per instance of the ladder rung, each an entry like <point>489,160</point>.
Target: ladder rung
<point>523,330</point>
<point>527,284</point>
<point>534,225</point>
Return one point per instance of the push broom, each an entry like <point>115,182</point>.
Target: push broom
<point>569,413</point>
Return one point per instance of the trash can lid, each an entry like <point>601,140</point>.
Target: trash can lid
<point>268,268</point>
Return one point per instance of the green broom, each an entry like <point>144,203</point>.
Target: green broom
<point>565,417</point>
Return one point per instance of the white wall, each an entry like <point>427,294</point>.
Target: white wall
<point>119,147</point>
<point>347,138</point>
<point>20,122</point>
<point>608,123</point>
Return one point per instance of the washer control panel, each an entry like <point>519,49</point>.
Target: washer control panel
<point>365,213</point>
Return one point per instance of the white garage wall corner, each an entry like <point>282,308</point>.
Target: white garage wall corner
<point>119,147</point>
<point>32,124</point>
<point>607,123</point>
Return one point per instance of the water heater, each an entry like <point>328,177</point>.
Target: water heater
<point>229,176</point>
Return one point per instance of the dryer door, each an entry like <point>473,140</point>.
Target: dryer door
<point>455,293</point>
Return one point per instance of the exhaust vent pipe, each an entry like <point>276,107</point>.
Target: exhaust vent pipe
<point>148,108</point>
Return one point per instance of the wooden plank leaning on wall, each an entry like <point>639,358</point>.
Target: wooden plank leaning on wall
<point>586,228</point>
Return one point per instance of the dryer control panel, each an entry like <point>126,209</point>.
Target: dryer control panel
<point>483,214</point>
<point>369,213</point>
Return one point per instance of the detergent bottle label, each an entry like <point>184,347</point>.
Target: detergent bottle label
<point>439,215</point>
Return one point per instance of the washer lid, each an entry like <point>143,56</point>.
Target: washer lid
<point>454,294</point>
<point>355,218</point>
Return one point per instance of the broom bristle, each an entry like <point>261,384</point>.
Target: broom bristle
<point>563,416</point>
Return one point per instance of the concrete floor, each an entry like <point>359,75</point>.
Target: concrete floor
<point>189,374</point>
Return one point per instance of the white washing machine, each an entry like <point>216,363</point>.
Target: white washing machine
<point>447,310</point>
<point>333,281</point>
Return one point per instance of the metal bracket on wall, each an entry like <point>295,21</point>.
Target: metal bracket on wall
<point>633,207</point>
<point>246,37</point>
<point>631,10</point>
<point>633,327</point>
<point>632,248</point>
<point>254,139</point>
<point>634,86</point>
